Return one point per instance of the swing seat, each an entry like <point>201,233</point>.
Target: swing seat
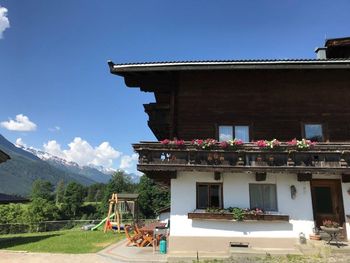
<point>115,227</point>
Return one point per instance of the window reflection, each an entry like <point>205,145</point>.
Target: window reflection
<point>314,132</point>
<point>225,133</point>
<point>230,132</point>
<point>242,133</point>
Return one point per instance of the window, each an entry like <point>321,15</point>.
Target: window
<point>230,132</point>
<point>313,132</point>
<point>209,195</point>
<point>263,196</point>
<point>225,133</point>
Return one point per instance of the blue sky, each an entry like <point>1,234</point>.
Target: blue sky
<point>53,60</point>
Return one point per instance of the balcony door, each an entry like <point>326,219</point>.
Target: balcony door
<point>327,201</point>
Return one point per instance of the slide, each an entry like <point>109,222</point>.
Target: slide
<point>101,223</point>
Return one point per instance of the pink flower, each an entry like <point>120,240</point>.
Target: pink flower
<point>261,143</point>
<point>293,142</point>
<point>165,142</point>
<point>275,142</point>
<point>179,142</point>
<point>224,145</point>
<point>238,142</point>
<point>197,142</point>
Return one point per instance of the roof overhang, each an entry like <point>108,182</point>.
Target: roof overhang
<point>4,156</point>
<point>124,69</point>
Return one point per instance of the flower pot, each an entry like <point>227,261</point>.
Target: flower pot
<point>315,237</point>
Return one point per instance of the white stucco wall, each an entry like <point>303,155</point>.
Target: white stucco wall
<point>346,200</point>
<point>236,194</point>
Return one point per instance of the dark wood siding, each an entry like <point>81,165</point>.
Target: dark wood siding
<point>274,102</point>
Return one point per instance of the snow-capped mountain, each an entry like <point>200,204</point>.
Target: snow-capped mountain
<point>18,174</point>
<point>97,173</point>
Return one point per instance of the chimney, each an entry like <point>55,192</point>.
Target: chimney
<point>321,52</point>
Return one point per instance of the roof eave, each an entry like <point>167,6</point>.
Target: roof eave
<point>121,69</point>
<point>4,156</point>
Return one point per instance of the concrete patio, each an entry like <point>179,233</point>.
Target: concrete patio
<point>119,252</point>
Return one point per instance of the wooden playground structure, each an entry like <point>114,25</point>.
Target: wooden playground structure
<point>121,204</point>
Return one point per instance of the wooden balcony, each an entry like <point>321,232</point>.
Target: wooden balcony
<point>326,158</point>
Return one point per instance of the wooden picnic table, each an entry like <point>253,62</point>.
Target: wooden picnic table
<point>150,227</point>
<point>148,233</point>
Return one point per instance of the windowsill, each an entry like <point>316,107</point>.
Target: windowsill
<point>202,215</point>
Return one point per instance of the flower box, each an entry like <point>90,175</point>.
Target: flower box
<point>206,215</point>
<point>229,216</point>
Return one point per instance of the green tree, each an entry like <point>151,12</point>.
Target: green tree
<point>119,183</point>
<point>151,197</point>
<point>94,192</point>
<point>73,199</point>
<point>98,195</point>
<point>42,189</point>
<point>40,210</point>
<point>59,192</point>
<point>12,213</point>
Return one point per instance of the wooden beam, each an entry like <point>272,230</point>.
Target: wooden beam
<point>260,176</point>
<point>345,177</point>
<point>307,176</point>
<point>217,176</point>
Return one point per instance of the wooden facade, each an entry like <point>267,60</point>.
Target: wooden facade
<point>274,100</point>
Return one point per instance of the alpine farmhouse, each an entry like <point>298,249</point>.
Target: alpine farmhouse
<point>289,185</point>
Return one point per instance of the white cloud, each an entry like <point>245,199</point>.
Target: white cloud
<point>128,161</point>
<point>4,21</point>
<point>53,148</point>
<point>81,152</point>
<point>55,129</point>
<point>20,143</point>
<point>21,123</point>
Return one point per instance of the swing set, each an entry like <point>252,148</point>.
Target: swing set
<point>119,205</point>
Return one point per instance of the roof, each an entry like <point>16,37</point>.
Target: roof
<point>337,41</point>
<point>126,197</point>
<point>119,69</point>
<point>165,209</point>
<point>5,199</point>
<point>4,156</point>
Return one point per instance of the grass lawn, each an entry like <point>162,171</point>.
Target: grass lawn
<point>66,241</point>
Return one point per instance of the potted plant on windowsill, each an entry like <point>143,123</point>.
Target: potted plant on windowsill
<point>274,144</point>
<point>231,144</point>
<point>173,143</point>
<point>204,144</point>
<point>301,145</point>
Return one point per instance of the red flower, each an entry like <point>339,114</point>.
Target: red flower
<point>179,142</point>
<point>238,142</point>
<point>292,142</point>
<point>261,143</point>
<point>165,142</point>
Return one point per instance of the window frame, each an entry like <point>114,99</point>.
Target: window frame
<point>209,184</point>
<point>249,125</point>
<point>263,184</point>
<point>323,127</point>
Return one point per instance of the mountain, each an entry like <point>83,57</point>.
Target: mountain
<point>98,174</point>
<point>18,174</point>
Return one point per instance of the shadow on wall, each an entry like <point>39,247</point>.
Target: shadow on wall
<point>244,227</point>
<point>9,242</point>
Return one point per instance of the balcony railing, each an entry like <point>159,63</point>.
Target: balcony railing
<point>322,157</point>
